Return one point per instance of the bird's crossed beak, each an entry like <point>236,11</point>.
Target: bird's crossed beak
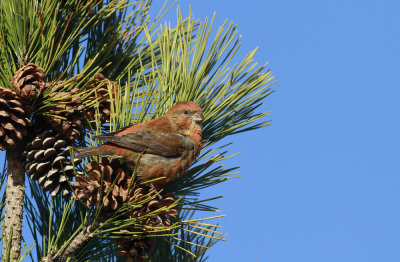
<point>198,117</point>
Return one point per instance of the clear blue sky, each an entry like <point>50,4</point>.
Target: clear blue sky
<point>323,182</point>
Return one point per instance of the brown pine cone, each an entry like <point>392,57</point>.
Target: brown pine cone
<point>162,200</point>
<point>104,106</point>
<point>140,248</point>
<point>48,162</point>
<point>136,248</point>
<point>13,119</point>
<point>93,191</point>
<point>28,81</point>
<point>90,190</point>
<point>66,117</point>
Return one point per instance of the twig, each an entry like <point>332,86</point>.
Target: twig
<point>82,238</point>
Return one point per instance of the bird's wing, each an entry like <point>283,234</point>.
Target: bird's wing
<point>157,143</point>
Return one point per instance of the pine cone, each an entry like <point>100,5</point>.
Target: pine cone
<point>104,106</point>
<point>90,190</point>
<point>13,119</point>
<point>66,116</point>
<point>28,81</point>
<point>136,248</point>
<point>140,248</point>
<point>47,161</point>
<point>162,200</point>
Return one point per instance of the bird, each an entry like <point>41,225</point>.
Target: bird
<point>159,150</point>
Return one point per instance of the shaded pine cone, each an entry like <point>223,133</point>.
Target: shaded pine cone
<point>140,248</point>
<point>90,190</point>
<point>13,119</point>
<point>161,201</point>
<point>104,106</point>
<point>48,162</point>
<point>136,248</point>
<point>93,191</point>
<point>66,117</point>
<point>28,81</point>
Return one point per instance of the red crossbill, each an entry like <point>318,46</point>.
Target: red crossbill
<point>162,147</point>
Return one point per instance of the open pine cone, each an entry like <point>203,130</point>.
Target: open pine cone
<point>90,190</point>
<point>94,188</point>
<point>13,119</point>
<point>140,248</point>
<point>104,106</point>
<point>28,81</point>
<point>162,200</point>
<point>136,248</point>
<point>66,116</point>
<point>47,161</point>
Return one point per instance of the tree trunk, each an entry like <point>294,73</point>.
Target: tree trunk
<point>15,192</point>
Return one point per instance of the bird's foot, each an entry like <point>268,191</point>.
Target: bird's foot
<point>156,190</point>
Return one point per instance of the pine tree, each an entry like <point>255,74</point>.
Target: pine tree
<point>74,69</point>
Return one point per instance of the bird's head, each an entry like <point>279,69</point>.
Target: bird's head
<point>188,115</point>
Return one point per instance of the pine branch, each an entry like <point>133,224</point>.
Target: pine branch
<point>79,240</point>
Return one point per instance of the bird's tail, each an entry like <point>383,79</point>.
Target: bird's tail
<point>102,150</point>
<point>84,151</point>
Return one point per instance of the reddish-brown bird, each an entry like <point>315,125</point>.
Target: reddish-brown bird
<point>162,147</point>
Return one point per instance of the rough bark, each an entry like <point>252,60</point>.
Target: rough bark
<point>15,192</point>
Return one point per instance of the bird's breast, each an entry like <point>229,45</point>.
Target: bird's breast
<point>155,166</point>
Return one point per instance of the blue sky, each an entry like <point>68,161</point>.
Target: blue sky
<point>322,183</point>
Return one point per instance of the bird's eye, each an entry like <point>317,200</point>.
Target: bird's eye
<point>186,112</point>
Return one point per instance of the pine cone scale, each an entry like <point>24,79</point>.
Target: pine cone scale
<point>4,113</point>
